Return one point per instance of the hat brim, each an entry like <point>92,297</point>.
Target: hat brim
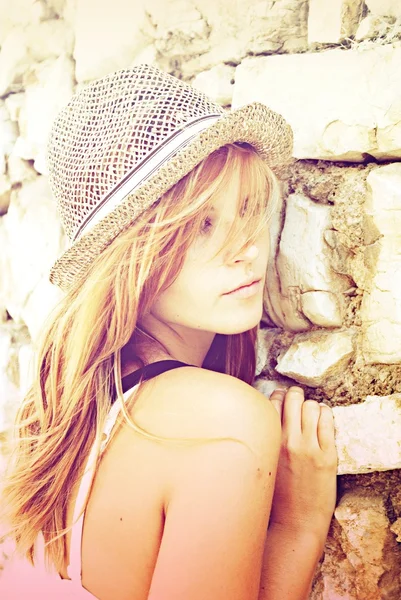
<point>255,123</point>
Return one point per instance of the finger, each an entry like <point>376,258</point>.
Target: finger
<point>277,399</point>
<point>325,429</point>
<point>309,423</point>
<point>292,410</point>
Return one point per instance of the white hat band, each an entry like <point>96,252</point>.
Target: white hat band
<point>141,172</point>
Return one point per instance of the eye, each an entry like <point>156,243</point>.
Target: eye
<point>206,226</point>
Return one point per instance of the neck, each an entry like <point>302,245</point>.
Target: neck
<point>160,341</point>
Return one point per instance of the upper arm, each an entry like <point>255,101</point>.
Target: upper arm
<point>219,505</point>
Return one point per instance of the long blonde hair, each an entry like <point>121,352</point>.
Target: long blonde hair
<point>77,368</point>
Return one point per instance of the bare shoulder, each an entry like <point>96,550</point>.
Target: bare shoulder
<point>192,402</point>
<point>214,494</point>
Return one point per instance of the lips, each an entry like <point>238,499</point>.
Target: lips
<point>247,283</point>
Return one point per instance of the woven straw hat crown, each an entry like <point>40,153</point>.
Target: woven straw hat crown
<point>125,139</point>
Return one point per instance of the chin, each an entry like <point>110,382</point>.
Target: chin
<point>241,323</point>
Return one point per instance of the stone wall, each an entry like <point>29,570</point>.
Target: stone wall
<point>333,303</point>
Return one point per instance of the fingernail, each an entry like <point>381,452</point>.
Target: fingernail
<point>296,388</point>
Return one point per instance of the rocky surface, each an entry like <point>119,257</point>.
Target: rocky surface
<point>341,104</point>
<point>361,554</point>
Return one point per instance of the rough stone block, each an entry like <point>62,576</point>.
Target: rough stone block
<point>5,193</point>
<point>14,60</point>
<point>375,27</point>
<point>194,40</point>
<point>64,9</point>
<point>341,104</point>
<point>361,559</point>
<point>8,131</point>
<point>49,39</point>
<point>385,8</point>
<point>217,83</point>
<point>265,340</point>
<point>19,13</point>
<point>147,55</point>
<point>26,43</point>
<point>14,103</point>
<point>322,308</point>
<point>304,267</point>
<point>330,22</point>
<point>49,87</point>
<point>313,358</point>
<point>381,304</point>
<point>180,28</point>
<point>58,6</point>
<point>8,135</point>
<point>108,36</point>
<point>25,290</point>
<point>19,170</point>
<point>368,435</point>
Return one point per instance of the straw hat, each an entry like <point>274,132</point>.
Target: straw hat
<point>127,138</point>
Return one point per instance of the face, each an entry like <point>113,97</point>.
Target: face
<point>203,296</point>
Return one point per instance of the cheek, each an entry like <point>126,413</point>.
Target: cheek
<point>264,247</point>
<point>191,293</point>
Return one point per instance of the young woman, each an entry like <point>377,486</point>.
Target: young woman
<point>147,467</point>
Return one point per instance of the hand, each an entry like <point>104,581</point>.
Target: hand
<point>305,491</point>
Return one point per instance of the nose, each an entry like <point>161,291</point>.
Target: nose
<point>248,254</point>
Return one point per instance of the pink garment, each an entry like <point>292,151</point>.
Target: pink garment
<point>21,581</point>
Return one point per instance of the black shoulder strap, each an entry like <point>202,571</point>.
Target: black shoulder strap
<point>149,371</point>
